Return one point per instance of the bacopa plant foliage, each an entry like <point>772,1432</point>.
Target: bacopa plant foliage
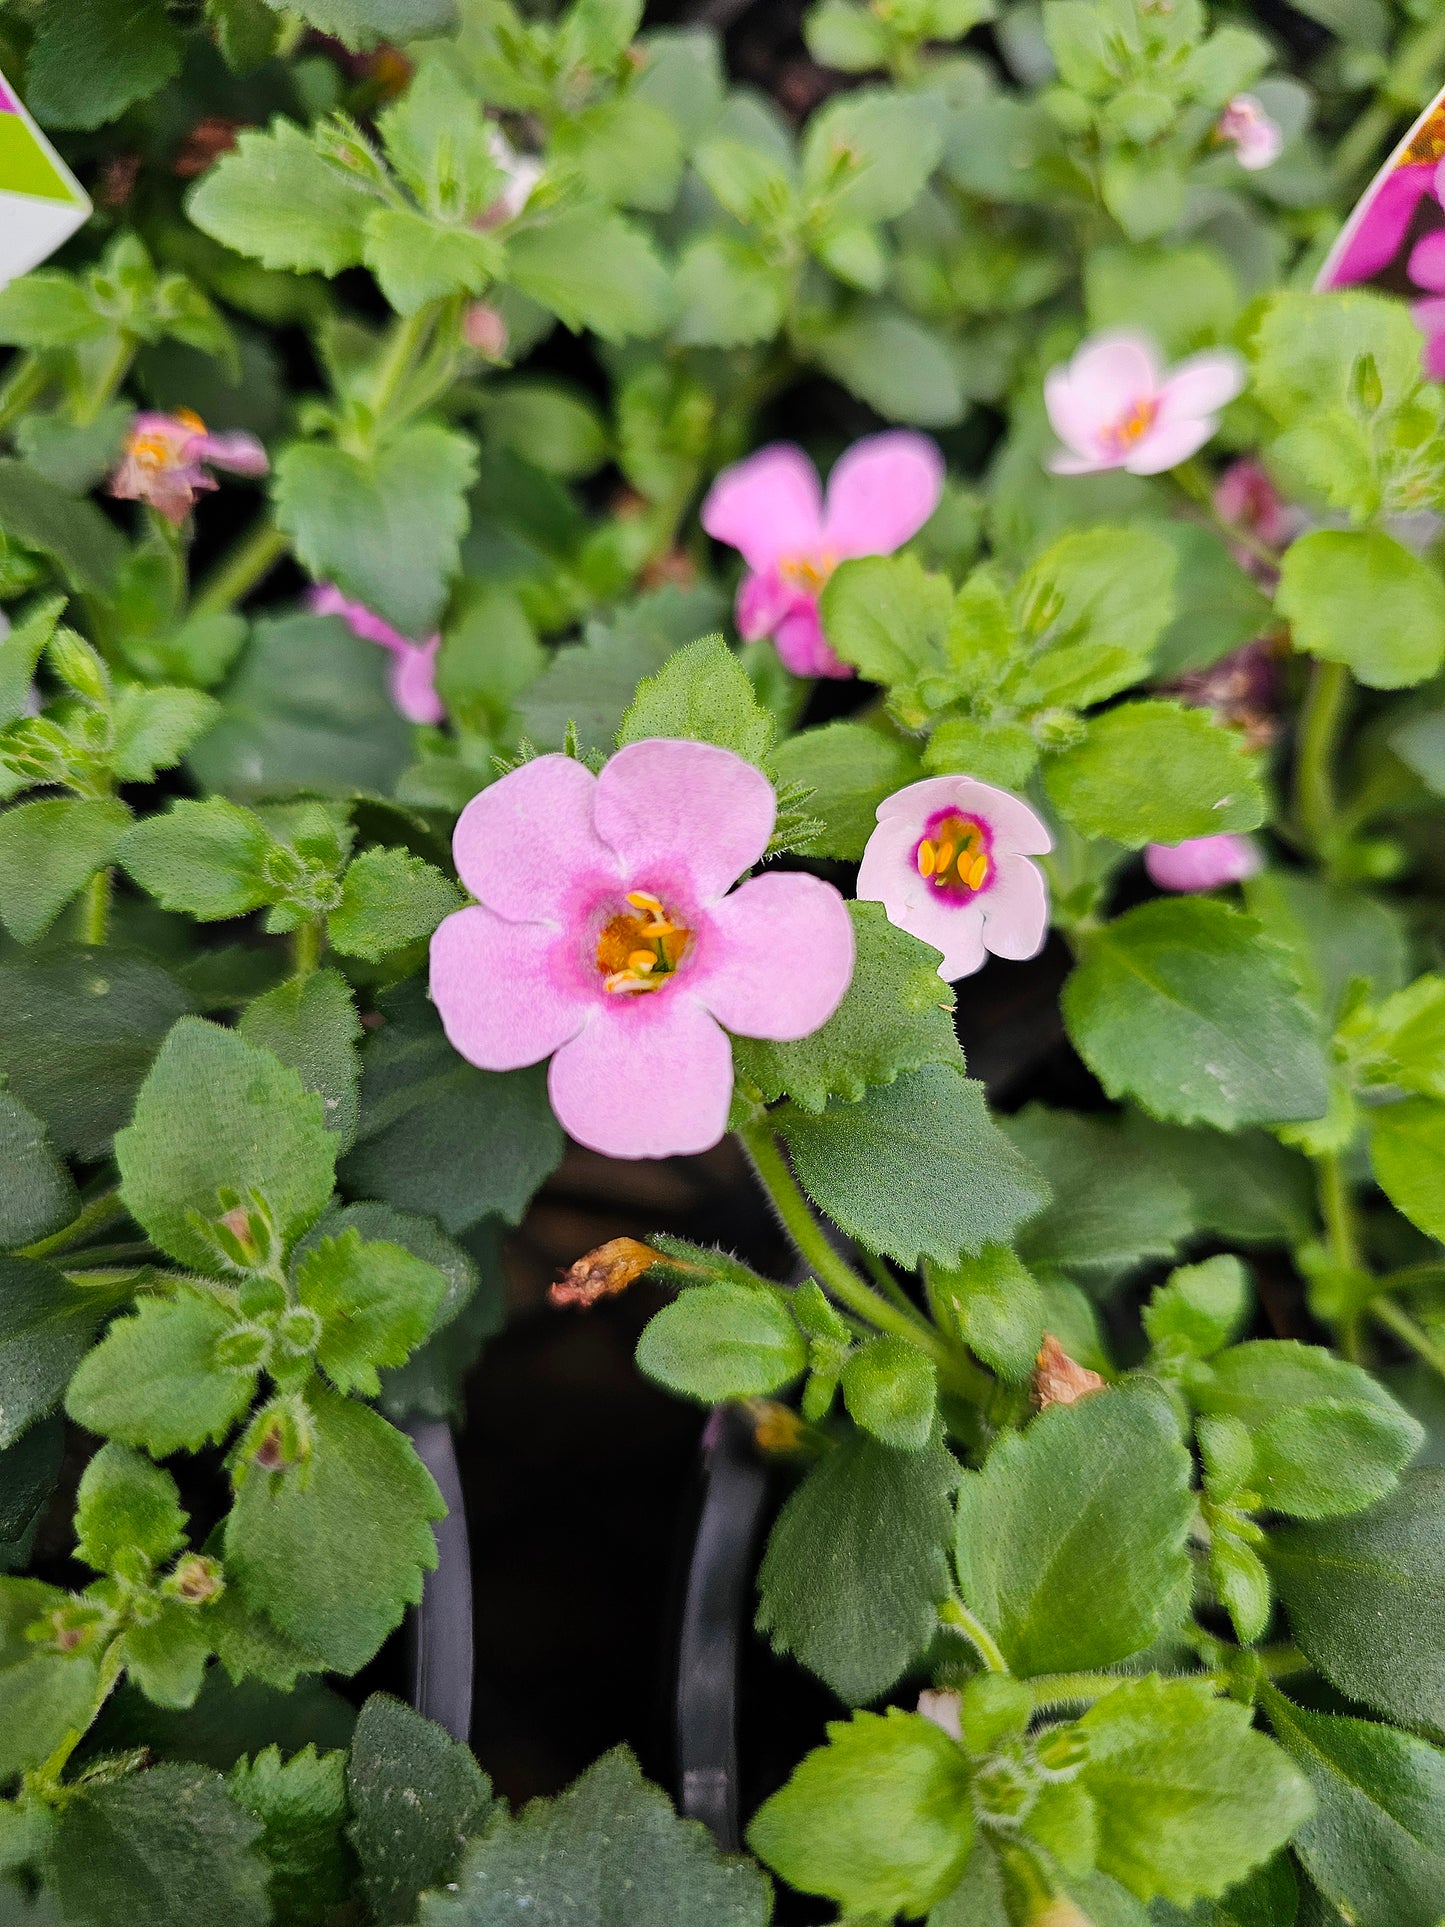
<point>438,711</point>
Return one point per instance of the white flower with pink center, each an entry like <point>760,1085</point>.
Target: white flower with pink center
<point>1113,407</point>
<point>607,936</point>
<point>1257,140</point>
<point>772,509</point>
<point>949,862</point>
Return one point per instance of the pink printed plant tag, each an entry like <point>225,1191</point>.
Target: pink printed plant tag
<point>41,202</point>
<point>1394,242</point>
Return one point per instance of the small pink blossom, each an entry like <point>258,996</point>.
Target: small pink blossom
<point>163,462</point>
<point>1113,408</point>
<point>949,863</point>
<point>485,329</point>
<point>1203,863</point>
<point>605,938</point>
<point>771,508</point>
<point>944,1708</point>
<point>1257,140</point>
<point>1246,498</point>
<point>413,664</point>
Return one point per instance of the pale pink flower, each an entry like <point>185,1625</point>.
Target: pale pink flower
<point>949,863</point>
<point>605,938</point>
<point>1257,140</point>
<point>1112,406</point>
<point>485,329</point>
<point>1202,863</point>
<point>944,1708</point>
<point>771,508</point>
<point>413,664</point>
<point>165,457</point>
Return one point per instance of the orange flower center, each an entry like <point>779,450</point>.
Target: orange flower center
<point>809,573</point>
<point>954,857</point>
<point>159,449</point>
<point>640,951</point>
<point>1134,424</point>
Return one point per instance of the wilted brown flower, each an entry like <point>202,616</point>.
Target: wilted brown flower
<point>207,141</point>
<point>1059,1379</point>
<point>605,1272</point>
<point>776,1427</point>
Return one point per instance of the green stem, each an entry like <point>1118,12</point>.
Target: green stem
<point>1192,479</point>
<point>1321,721</point>
<point>102,1210</point>
<point>46,1778</point>
<point>95,908</point>
<point>1337,1209</point>
<point>840,1279</point>
<point>244,569</point>
<point>1072,1689</point>
<point>1282,1661</point>
<point>1396,1319</point>
<point>108,386</point>
<point>24,384</point>
<point>953,1612</point>
<point>405,346</point>
<point>308,940</point>
<point>1414,1277</point>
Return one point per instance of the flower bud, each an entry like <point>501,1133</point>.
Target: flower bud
<point>195,1581</point>
<point>484,329</point>
<point>1059,1379</point>
<point>605,1272</point>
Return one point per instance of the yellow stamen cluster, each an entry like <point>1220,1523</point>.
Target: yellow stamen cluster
<point>640,952</point>
<point>810,573</point>
<point>955,856</point>
<point>1135,425</point>
<point>158,449</point>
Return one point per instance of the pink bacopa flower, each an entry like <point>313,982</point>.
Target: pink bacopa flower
<point>605,938</point>
<point>949,863</point>
<point>1203,863</point>
<point>771,508</point>
<point>1112,406</point>
<point>413,664</point>
<point>1257,140</point>
<point>165,459</point>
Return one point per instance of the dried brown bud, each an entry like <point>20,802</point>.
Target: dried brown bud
<point>270,1453</point>
<point>605,1272</point>
<point>204,146</point>
<point>117,180</point>
<point>1059,1379</point>
<point>195,1580</point>
<point>776,1428</point>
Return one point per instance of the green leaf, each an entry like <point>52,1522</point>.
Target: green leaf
<point>275,198</point>
<point>896,364</point>
<point>46,1325</point>
<point>703,694</point>
<point>49,851</point>
<point>210,859</point>
<point>126,1506</point>
<point>896,1017</point>
<point>1186,1007</point>
<point>1375,1844</point>
<point>1071,1540</point>
<point>557,429</point>
<point>78,1032</point>
<point>1327,1438</point>
<point>166,1846</point>
<point>1247,1189</point>
<point>376,1303</point>
<point>417,1797</point>
<point>1199,1308</point>
<point>1363,1597</point>
<point>595,271</point>
<point>877,1521</point>
<point>1154,772</point>
<point>1407,1151</point>
<point>609,1852</point>
<point>1113,1205</point>
<point>362,23</point>
<point>92,59</point>
<point>1190,1798</point>
<point>729,293</point>
<point>87,548</point>
<point>22,648</point>
<point>1308,348</point>
<point>1360,598</point>
<point>359,1501</point>
<point>441,1137</point>
<point>891,1391</point>
<point>44,1692</point>
<point>301,1804</point>
<point>215,1114</point>
<point>389,899</point>
<point>158,1380</point>
<point>627,150</point>
<point>998,1308</point>
<point>1097,601</point>
<point>155,727</point>
<point>386,528</point>
<point>917,1169</point>
<point>1220,608</point>
<point>1335,933</point>
<point>723,1341</point>
<point>311,1024</point>
<point>880,1819</point>
<point>849,769</point>
<point>417,261</point>
<point>868,154</point>
<point>37,1193</point>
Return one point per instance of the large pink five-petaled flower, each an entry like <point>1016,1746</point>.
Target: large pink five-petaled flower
<point>771,508</point>
<point>949,862</point>
<point>1113,407</point>
<point>605,938</point>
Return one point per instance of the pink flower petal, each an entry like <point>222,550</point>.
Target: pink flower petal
<point>502,1000</point>
<point>1016,910</point>
<point>1203,862</point>
<point>1200,386</point>
<point>651,1076</point>
<point>525,845</point>
<point>242,454</point>
<point>1430,319</point>
<point>802,646</point>
<point>764,600</point>
<point>1168,444</point>
<point>413,682</point>
<point>881,492</point>
<point>682,817</point>
<point>1064,463</point>
<point>779,959</point>
<point>325,599</point>
<point>767,507</point>
<point>1383,225</point>
<point>1427,262</point>
<point>1106,378</point>
<point>1017,830</point>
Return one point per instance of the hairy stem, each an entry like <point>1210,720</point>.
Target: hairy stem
<point>954,1613</point>
<point>243,570</point>
<point>1394,1318</point>
<point>103,1210</point>
<point>95,908</point>
<point>308,940</point>
<point>24,384</point>
<point>404,348</point>
<point>1321,721</point>
<point>1073,1689</point>
<point>46,1779</point>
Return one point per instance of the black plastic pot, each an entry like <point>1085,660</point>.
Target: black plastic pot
<point>440,1642</point>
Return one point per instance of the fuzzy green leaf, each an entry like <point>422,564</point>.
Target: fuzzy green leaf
<point>593,270</point>
<point>301,1804</point>
<point>156,1381</point>
<point>93,58</point>
<point>275,198</point>
<point>207,858</point>
<point>850,769</point>
<point>37,1193</point>
<point>46,1325</point>
<point>1358,597</point>
<point>703,694</point>
<point>1154,772</point>
<point>723,1341</point>
<point>125,1505</point>
<point>1113,1207</point>
<point>389,899</point>
<point>1407,1150</point>
<point>376,1303</point>
<point>891,1390</point>
<point>49,851</point>
<point>998,1307</point>
<point>43,1692</point>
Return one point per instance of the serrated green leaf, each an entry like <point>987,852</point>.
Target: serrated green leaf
<point>878,1522</point>
<point>275,198</point>
<point>376,1303</point>
<point>301,1804</point>
<point>22,648</point>
<point>311,1024</point>
<point>46,1325</point>
<point>594,270</point>
<point>703,694</point>
<point>125,1505</point>
<point>88,548</point>
<point>49,851</point>
<point>1407,1151</point>
<point>207,858</point>
<point>1113,1205</point>
<point>890,1389</point>
<point>93,58</point>
<point>998,1308</point>
<point>155,1379</point>
<point>1199,1308</point>
<point>44,1692</point>
<point>1154,772</point>
<point>850,769</point>
<point>389,899</point>
<point>155,727</point>
<point>1359,597</point>
<point>888,617</point>
<point>37,1193</point>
